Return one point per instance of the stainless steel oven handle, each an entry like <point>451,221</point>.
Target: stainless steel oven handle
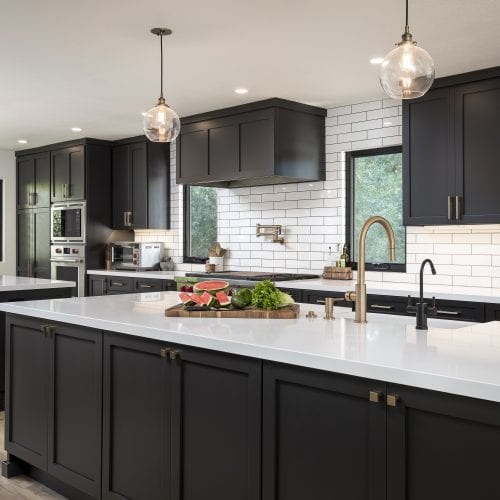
<point>72,261</point>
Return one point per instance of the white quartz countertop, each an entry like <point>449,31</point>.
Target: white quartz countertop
<point>15,283</point>
<point>468,294</point>
<point>451,356</point>
<point>157,275</point>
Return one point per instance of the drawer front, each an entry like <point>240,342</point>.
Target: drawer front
<point>169,285</point>
<point>492,312</point>
<point>118,284</point>
<point>459,311</point>
<point>386,304</point>
<point>313,296</point>
<point>147,285</point>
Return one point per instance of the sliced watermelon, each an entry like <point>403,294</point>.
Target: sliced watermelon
<point>210,286</point>
<point>186,299</point>
<point>208,299</point>
<point>197,299</point>
<point>223,299</point>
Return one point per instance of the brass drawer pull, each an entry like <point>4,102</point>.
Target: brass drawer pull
<point>379,306</point>
<point>392,400</point>
<point>164,351</point>
<point>174,354</point>
<point>145,286</point>
<point>375,396</point>
<point>448,313</point>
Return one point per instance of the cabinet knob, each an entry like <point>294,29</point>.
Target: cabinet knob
<point>392,400</point>
<point>375,396</point>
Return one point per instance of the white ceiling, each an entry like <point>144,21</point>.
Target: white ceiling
<point>93,63</point>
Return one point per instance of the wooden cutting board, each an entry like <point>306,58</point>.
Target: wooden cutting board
<point>289,312</point>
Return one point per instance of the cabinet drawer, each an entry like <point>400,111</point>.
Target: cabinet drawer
<point>147,285</point>
<point>459,311</point>
<point>312,297</point>
<point>386,304</point>
<point>492,312</point>
<point>118,284</point>
<point>169,285</point>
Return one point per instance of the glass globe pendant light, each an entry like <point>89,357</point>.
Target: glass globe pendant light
<point>161,123</point>
<point>407,71</point>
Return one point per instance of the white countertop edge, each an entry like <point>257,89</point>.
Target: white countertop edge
<point>158,275</point>
<point>423,380</point>
<point>19,283</point>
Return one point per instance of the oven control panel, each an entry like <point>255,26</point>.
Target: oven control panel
<point>67,251</point>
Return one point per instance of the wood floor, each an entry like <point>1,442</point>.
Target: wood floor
<point>21,487</point>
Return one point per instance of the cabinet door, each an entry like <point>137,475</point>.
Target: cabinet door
<point>224,151</point>
<point>41,243</point>
<point>192,155</point>
<point>25,248</point>
<point>122,202</point>
<point>97,286</point>
<point>441,446</point>
<point>478,151</point>
<point>76,173</point>
<point>139,182</point>
<point>256,132</point>
<point>322,437</point>
<point>26,391</point>
<point>41,197</point>
<point>25,181</point>
<point>136,420</point>
<point>216,426</point>
<point>75,407</point>
<point>429,158</point>
<point>59,175</point>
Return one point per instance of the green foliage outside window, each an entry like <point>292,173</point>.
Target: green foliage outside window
<point>378,190</point>
<point>202,224</point>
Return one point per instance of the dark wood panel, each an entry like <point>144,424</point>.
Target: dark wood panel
<point>441,446</point>
<point>59,174</point>
<point>428,157</point>
<point>42,180</point>
<point>41,233</point>
<point>136,424</point>
<point>75,407</point>
<point>97,285</point>
<point>121,176</point>
<point>25,180</point>
<point>223,141</point>
<point>24,247</point>
<point>139,184</point>
<point>147,285</point>
<point>492,312</point>
<point>158,186</point>
<point>216,426</point>
<point>120,284</point>
<point>322,437</point>
<point>26,391</point>
<point>76,173</point>
<point>192,152</point>
<point>478,150</point>
<point>257,145</point>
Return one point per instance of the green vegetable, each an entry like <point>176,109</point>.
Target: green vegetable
<point>238,302</point>
<point>267,296</point>
<point>246,295</point>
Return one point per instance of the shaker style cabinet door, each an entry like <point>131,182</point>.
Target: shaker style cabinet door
<point>136,420</point>
<point>41,234</point>
<point>429,159</point>
<point>192,154</point>
<point>478,151</point>
<point>25,248</point>
<point>322,437</point>
<point>27,361</point>
<point>33,181</point>
<point>138,154</point>
<point>68,174</point>
<point>216,426</point>
<point>75,407</point>
<point>122,202</point>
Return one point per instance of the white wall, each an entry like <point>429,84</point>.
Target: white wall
<point>313,215</point>
<point>8,175</point>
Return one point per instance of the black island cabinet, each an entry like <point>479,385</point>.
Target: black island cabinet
<point>176,422</point>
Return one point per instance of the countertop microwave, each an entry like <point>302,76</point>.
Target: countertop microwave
<point>136,255</point>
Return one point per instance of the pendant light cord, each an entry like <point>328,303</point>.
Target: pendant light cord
<point>406,13</point>
<point>161,64</point>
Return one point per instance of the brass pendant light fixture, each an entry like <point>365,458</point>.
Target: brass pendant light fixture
<point>161,123</point>
<point>407,71</point>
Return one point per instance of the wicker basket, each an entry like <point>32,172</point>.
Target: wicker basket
<point>337,273</point>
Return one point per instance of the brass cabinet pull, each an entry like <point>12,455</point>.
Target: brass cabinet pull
<point>375,396</point>
<point>458,207</point>
<point>174,354</point>
<point>392,400</point>
<point>124,218</point>
<point>379,306</point>
<point>448,313</point>
<point>164,352</point>
<point>65,191</point>
<point>450,209</point>
<point>129,218</point>
<point>117,283</point>
<point>145,286</point>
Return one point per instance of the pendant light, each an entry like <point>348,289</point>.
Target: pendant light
<point>407,71</point>
<point>161,123</point>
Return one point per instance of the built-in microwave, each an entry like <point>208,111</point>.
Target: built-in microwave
<point>68,222</point>
<point>136,255</point>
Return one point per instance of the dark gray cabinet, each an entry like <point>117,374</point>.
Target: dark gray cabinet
<point>112,285</point>
<point>321,436</point>
<point>33,181</point>
<point>450,151</point>
<point>54,400</point>
<point>141,185</point>
<point>441,446</point>
<point>68,174</point>
<point>33,243</point>
<point>266,142</point>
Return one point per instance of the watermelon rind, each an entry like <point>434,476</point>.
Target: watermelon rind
<point>223,299</point>
<point>210,286</point>
<point>186,299</point>
<point>197,299</point>
<point>208,299</point>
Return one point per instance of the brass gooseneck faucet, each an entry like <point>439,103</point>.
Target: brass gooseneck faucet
<point>359,296</point>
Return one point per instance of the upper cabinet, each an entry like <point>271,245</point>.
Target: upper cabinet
<point>68,174</point>
<point>141,187</point>
<point>33,181</point>
<point>451,151</point>
<point>267,142</point>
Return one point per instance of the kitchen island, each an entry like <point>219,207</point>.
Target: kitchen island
<point>107,398</point>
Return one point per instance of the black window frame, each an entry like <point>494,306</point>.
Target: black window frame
<point>350,157</point>
<point>187,259</point>
<point>1,219</point>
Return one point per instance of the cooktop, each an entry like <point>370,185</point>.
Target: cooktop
<point>253,276</point>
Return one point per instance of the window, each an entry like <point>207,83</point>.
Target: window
<point>200,222</point>
<point>1,219</point>
<point>375,187</point>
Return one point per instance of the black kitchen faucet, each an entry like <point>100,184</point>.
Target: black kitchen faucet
<point>422,308</point>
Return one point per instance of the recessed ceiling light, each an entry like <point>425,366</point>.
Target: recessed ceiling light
<point>241,91</point>
<point>376,60</point>
<point>22,141</point>
<point>76,129</point>
<point>143,113</point>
